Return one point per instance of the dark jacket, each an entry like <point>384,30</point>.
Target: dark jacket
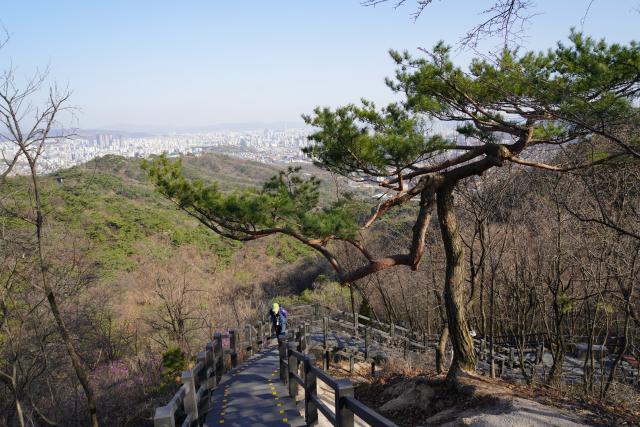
<point>282,314</point>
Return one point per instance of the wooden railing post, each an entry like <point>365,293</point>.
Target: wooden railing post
<point>425,342</point>
<point>249,329</point>
<point>202,374</point>
<point>164,418</point>
<point>356,323</point>
<point>367,342</point>
<point>393,334</point>
<point>303,338</point>
<point>291,339</point>
<point>367,349</point>
<point>344,417</point>
<point>212,381</point>
<point>300,347</point>
<point>317,311</point>
<point>190,402</point>
<point>299,333</point>
<point>259,337</point>
<point>217,338</point>
<point>293,366</point>
<point>233,341</point>
<point>406,348</point>
<point>282,349</point>
<point>325,354</point>
<point>311,411</point>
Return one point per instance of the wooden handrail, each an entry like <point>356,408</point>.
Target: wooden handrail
<point>206,374</point>
<point>345,403</point>
<point>357,327</point>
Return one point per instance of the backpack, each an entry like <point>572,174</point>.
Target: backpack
<point>284,312</point>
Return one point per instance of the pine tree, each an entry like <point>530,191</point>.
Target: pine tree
<point>513,105</point>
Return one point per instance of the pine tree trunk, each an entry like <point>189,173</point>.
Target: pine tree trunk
<point>463,352</point>
<point>440,349</point>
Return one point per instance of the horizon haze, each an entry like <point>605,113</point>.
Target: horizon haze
<point>239,126</point>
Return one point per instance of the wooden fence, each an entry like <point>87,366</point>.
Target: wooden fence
<point>294,359</point>
<point>199,381</point>
<point>507,348</point>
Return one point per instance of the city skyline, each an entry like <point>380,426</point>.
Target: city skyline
<point>201,62</point>
<point>238,126</point>
<point>263,145</point>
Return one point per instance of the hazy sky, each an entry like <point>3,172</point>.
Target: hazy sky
<point>193,63</point>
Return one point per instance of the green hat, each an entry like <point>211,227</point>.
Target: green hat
<point>275,307</point>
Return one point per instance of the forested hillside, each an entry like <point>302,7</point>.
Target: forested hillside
<point>135,277</point>
<point>110,203</point>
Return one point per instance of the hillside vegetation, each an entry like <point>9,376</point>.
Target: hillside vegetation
<point>134,278</point>
<point>109,202</point>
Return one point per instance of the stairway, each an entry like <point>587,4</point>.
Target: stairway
<point>253,395</point>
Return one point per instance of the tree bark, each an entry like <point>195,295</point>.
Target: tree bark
<point>464,354</point>
<point>440,348</point>
<point>444,335</point>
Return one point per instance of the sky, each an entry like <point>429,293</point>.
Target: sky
<point>196,63</point>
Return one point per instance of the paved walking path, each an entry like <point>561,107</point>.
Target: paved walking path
<point>253,395</point>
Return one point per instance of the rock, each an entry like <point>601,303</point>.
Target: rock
<point>440,416</point>
<point>360,366</point>
<point>416,392</point>
<point>515,412</point>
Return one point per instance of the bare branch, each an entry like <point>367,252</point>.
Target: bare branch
<point>567,168</point>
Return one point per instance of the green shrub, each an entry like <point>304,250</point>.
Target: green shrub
<point>174,361</point>
<point>271,250</point>
<point>243,276</point>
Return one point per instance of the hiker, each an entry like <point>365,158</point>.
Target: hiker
<point>278,318</point>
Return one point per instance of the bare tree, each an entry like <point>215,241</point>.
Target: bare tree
<point>172,292</point>
<point>28,131</point>
<point>506,19</point>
